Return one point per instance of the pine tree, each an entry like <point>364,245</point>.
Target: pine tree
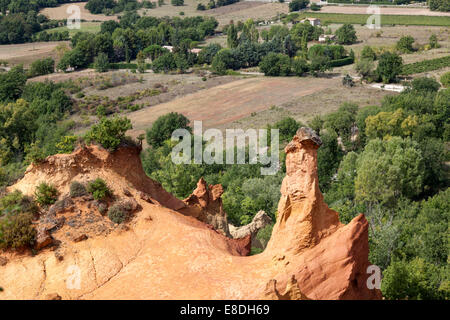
<point>232,40</point>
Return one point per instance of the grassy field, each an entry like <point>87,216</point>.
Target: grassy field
<point>385,19</point>
<point>92,27</point>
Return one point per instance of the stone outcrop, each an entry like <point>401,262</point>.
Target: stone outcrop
<point>303,216</point>
<point>164,253</point>
<point>205,204</point>
<point>43,238</point>
<point>87,163</point>
<point>259,221</point>
<point>291,292</point>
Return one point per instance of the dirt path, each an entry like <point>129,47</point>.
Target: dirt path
<point>232,101</point>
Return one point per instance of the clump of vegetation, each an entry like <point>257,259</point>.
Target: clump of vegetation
<point>46,194</point>
<point>405,44</point>
<point>16,214</point>
<point>109,132</point>
<point>17,202</point>
<point>16,230</point>
<point>275,64</point>
<point>389,67</point>
<point>445,79</point>
<point>99,189</point>
<point>315,7</point>
<point>296,5</point>
<point>117,213</point>
<point>77,189</point>
<point>346,34</point>
<point>41,67</point>
<point>67,144</point>
<point>434,42</point>
<point>101,62</point>
<point>368,53</point>
<point>425,85</point>
<point>164,126</point>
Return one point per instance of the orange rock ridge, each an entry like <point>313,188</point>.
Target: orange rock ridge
<point>164,254</point>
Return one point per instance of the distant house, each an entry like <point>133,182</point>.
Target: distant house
<point>170,48</point>
<point>325,37</point>
<point>313,21</point>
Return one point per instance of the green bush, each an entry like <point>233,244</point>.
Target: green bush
<point>425,84</point>
<point>109,132</point>
<point>16,202</point>
<point>299,66</point>
<point>16,214</point>
<point>389,67</point>
<point>416,279</point>
<point>99,189</point>
<point>341,62</point>
<point>117,214</point>
<point>164,126</point>
<point>315,7</point>
<point>16,230</point>
<point>275,64</point>
<point>46,194</point>
<point>445,79</point>
<point>346,34</point>
<point>296,5</point>
<point>41,67</point>
<point>405,44</point>
<point>77,189</point>
<point>101,62</point>
<point>434,42</point>
<point>67,144</point>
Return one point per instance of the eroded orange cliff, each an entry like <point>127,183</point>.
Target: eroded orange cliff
<point>164,254</point>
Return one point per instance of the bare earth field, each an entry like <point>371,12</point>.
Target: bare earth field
<point>237,11</point>
<point>224,106</point>
<point>246,10</point>
<point>61,13</point>
<point>26,53</point>
<point>306,107</point>
<point>383,10</point>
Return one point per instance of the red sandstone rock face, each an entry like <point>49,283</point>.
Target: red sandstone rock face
<point>163,254</point>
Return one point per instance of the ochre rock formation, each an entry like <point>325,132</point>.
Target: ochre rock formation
<point>163,254</point>
<point>205,205</point>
